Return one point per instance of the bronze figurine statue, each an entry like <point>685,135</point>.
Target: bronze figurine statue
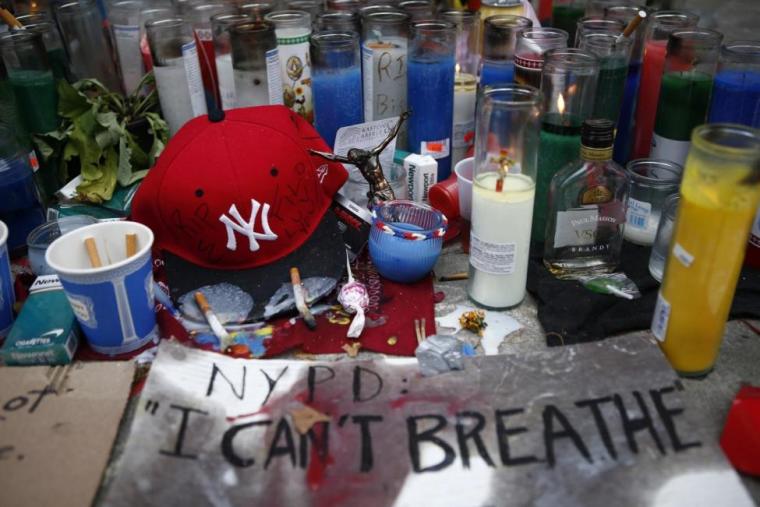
<point>368,163</point>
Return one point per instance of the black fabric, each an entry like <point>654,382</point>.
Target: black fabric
<point>573,314</point>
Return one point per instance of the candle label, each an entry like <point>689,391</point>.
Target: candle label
<point>683,256</point>
<point>34,161</point>
<point>204,34</point>
<point>194,81</point>
<point>274,79</point>
<point>576,228</point>
<point>661,317</point>
<point>384,78</point>
<point>463,135</point>
<point>436,149</point>
<point>754,238</point>
<point>226,75</point>
<point>127,39</point>
<point>637,215</point>
<point>669,149</point>
<point>296,74</point>
<point>493,258</point>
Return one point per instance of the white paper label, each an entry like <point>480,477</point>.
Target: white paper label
<point>638,213</point>
<point>670,149</point>
<point>436,149</point>
<point>226,76</point>
<point>127,39</point>
<point>366,136</point>
<point>682,255</point>
<point>204,34</point>
<point>493,258</point>
<point>45,282</point>
<point>295,65</point>
<point>576,227</point>
<point>274,78</point>
<point>384,77</point>
<point>661,317</point>
<point>194,81</point>
<point>464,135</point>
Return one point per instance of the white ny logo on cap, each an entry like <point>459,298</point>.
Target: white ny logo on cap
<point>246,228</point>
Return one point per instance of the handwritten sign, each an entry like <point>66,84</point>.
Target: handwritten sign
<point>57,426</point>
<point>585,425</point>
<point>384,70</point>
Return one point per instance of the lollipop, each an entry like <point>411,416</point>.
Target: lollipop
<point>354,298</point>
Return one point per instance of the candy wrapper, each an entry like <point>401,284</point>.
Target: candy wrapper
<point>354,298</point>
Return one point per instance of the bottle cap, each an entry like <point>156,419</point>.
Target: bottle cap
<point>598,133</point>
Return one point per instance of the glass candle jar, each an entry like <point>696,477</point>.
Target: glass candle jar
<point>406,239</point>
<point>623,137</point>
<point>384,64</point>
<point>467,41</point>
<point>177,71</point>
<point>499,41</point>
<point>344,21</point>
<point>86,44</point>
<point>220,24</point>
<point>599,7</point>
<point>293,29</point>
<point>613,55</point>
<point>256,10</point>
<point>565,15</point>
<point>124,20</point>
<point>343,5</point>
<point>337,76</point>
<point>597,25</point>
<point>652,181</point>
<point>736,99</point>
<point>256,64</point>
<point>690,65</point>
<point>10,119</point>
<point>313,7</point>
<point>530,47</point>
<point>664,235</point>
<point>719,196</point>
<point>417,9</point>
<point>51,38</point>
<point>503,191</point>
<point>490,8</point>
<point>31,79</point>
<point>569,87</point>
<point>660,26</point>
<point>431,74</point>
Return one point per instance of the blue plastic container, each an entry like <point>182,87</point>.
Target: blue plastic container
<point>406,240</point>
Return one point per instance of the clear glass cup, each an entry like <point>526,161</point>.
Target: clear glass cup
<point>339,20</point>
<point>343,5</point>
<point>652,181</point>
<point>568,86</point>
<point>256,10</point>
<point>613,57</point>
<point>597,25</point>
<point>468,39</point>
<point>86,42</point>
<point>417,9</point>
<point>499,42</point>
<point>220,24</point>
<point>661,245</point>
<point>256,64</point>
<point>337,74</point>
<point>43,23</point>
<point>530,47</point>
<point>293,29</point>
<point>177,71</point>
<point>431,70</point>
<point>313,7</point>
<point>490,8</point>
<point>599,7</point>
<point>719,196</point>
<point>503,191</point>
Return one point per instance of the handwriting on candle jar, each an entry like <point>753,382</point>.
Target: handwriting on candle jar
<point>385,78</point>
<point>392,65</point>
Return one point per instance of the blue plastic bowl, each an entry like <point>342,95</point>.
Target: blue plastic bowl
<point>406,239</point>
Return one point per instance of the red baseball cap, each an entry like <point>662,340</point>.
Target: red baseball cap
<point>241,200</point>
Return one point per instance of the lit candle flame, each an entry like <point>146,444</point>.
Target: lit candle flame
<point>457,68</point>
<point>561,104</point>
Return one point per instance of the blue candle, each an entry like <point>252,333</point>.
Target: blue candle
<point>625,121</point>
<point>20,207</point>
<point>431,100</point>
<point>337,100</point>
<point>497,72</point>
<point>736,98</point>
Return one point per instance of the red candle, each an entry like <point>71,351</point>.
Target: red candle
<point>649,95</point>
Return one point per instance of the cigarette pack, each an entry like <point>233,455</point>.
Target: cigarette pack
<point>421,174</point>
<point>46,331</point>
<point>354,222</point>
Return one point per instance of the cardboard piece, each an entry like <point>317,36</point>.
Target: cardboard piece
<point>57,427</point>
<point>590,425</point>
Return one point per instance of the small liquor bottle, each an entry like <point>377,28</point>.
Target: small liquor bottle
<point>587,201</point>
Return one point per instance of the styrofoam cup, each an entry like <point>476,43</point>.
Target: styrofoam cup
<point>463,170</point>
<point>113,303</point>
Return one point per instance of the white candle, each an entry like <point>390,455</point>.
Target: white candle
<point>226,81</point>
<point>180,88</point>
<point>465,97</point>
<point>384,78</point>
<point>500,239</point>
<point>127,38</point>
<point>259,87</point>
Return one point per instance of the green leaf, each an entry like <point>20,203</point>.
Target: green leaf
<point>139,157</point>
<point>100,189</point>
<point>124,172</point>
<point>160,131</point>
<point>71,103</point>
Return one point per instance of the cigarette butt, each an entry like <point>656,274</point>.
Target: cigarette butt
<point>295,276</point>
<point>202,302</point>
<point>92,252</point>
<point>454,277</point>
<point>10,19</point>
<point>131,244</point>
<point>634,23</point>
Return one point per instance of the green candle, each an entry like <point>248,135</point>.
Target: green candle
<point>684,99</point>
<point>58,62</point>
<point>559,144</point>
<point>36,99</point>
<point>610,87</point>
<point>566,18</point>
<point>9,115</point>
